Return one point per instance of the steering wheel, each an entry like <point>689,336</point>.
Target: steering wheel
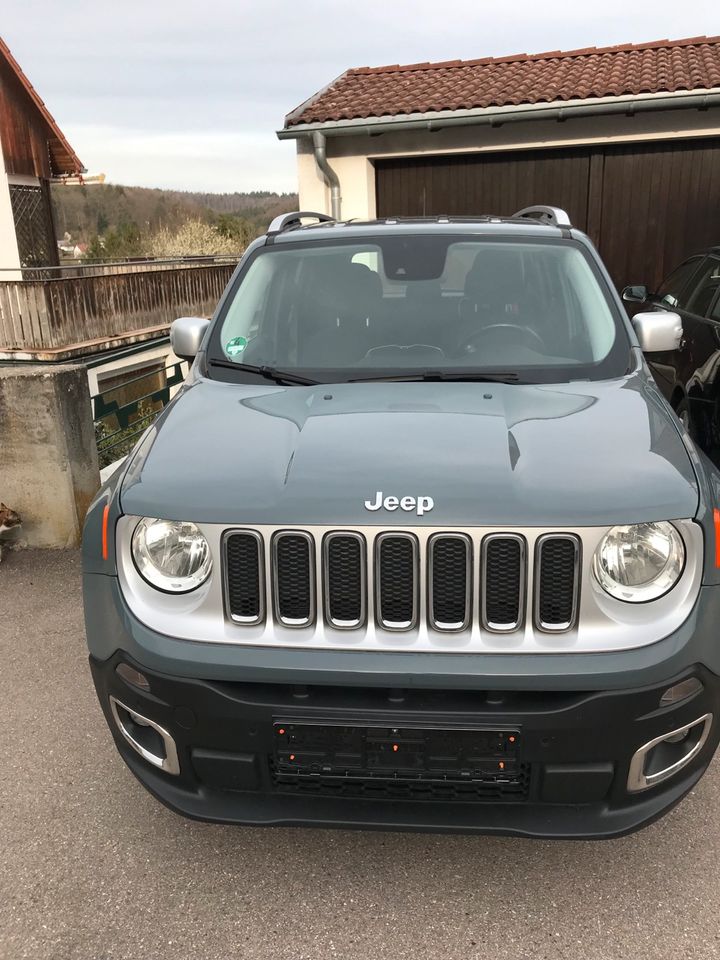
<point>470,344</point>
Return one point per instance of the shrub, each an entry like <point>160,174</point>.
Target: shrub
<point>194,238</point>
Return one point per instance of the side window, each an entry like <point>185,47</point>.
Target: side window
<point>674,291</point>
<point>715,312</point>
<point>705,288</point>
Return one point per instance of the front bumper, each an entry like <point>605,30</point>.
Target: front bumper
<point>581,718</point>
<point>569,779</point>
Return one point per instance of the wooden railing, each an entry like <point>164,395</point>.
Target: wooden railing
<point>66,316</point>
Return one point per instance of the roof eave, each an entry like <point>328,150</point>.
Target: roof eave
<point>700,98</point>
<point>53,128</point>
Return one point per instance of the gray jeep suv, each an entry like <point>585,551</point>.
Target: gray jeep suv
<point>418,545</point>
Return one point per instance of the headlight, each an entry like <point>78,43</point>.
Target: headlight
<point>171,555</point>
<point>640,562</point>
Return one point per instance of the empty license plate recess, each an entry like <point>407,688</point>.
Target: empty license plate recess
<point>396,753</point>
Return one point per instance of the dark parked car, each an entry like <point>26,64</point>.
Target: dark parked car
<point>419,544</point>
<point>690,376</point>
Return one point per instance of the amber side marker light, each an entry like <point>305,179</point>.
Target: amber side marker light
<point>133,676</point>
<point>681,691</point>
<point>106,514</point>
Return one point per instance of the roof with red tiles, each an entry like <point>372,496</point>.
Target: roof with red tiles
<point>63,158</point>
<point>663,66</point>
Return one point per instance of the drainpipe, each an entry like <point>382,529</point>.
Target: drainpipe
<point>329,175</point>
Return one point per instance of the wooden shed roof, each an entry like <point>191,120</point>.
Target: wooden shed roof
<point>63,159</point>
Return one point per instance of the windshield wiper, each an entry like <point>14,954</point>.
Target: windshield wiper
<point>440,375</point>
<point>270,373</point>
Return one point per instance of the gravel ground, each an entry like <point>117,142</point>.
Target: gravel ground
<point>92,868</point>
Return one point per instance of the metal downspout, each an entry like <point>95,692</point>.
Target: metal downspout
<point>329,175</point>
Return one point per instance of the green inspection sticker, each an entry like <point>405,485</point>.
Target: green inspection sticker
<point>235,346</point>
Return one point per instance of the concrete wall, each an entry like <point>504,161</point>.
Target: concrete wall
<point>48,458</point>
<point>352,156</point>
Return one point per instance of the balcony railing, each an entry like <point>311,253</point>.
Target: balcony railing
<point>122,413</point>
<point>61,312</point>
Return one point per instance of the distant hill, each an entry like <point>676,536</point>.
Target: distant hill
<point>86,212</point>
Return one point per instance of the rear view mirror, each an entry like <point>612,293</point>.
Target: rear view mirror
<point>658,331</point>
<point>186,335</point>
<point>636,294</point>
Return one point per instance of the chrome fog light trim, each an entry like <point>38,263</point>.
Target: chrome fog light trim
<point>169,763</point>
<point>693,734</point>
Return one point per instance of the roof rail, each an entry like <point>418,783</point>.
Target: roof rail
<point>287,220</point>
<point>552,216</point>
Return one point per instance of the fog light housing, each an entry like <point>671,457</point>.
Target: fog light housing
<point>147,738</point>
<point>663,757</point>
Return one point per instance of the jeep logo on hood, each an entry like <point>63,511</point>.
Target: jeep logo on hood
<point>420,505</point>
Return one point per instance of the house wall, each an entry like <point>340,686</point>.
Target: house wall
<point>352,156</point>
<point>9,255</point>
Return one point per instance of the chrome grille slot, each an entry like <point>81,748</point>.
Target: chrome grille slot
<point>244,581</point>
<point>503,582</point>
<point>293,558</point>
<point>344,576</point>
<point>557,586</point>
<point>449,581</point>
<point>396,580</point>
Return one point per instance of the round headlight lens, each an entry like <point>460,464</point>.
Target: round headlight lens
<point>639,562</point>
<point>171,555</point>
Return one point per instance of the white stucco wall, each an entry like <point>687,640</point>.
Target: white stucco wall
<point>352,156</point>
<point>9,256</point>
<point>135,361</point>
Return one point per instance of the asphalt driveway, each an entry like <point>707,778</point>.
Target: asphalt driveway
<point>92,868</point>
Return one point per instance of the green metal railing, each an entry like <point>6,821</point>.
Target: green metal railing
<point>119,425</point>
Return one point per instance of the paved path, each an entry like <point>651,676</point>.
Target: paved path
<point>92,868</point>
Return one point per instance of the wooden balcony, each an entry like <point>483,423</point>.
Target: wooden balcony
<point>65,312</point>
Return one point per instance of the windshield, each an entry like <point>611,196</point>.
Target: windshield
<point>417,304</point>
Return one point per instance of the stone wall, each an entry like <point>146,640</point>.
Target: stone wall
<point>48,457</point>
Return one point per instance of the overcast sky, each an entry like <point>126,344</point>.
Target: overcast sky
<point>188,94</point>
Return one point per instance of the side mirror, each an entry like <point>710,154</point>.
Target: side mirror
<point>658,331</point>
<point>186,335</point>
<point>636,294</point>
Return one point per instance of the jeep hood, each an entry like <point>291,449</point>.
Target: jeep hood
<point>487,454</point>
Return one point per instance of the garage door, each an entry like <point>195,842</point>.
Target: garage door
<point>647,206</point>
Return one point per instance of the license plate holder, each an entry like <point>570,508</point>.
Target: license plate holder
<point>385,752</point>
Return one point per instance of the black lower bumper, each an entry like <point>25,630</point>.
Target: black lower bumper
<point>546,764</point>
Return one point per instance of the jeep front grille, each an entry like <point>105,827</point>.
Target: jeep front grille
<point>503,587</point>
<point>396,580</point>
<point>446,582</point>
<point>557,566</point>
<point>293,578</point>
<point>345,581</point>
<point>244,587</point>
<point>450,581</point>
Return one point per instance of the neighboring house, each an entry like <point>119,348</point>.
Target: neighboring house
<point>626,138</point>
<point>33,151</point>
<point>114,318</point>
